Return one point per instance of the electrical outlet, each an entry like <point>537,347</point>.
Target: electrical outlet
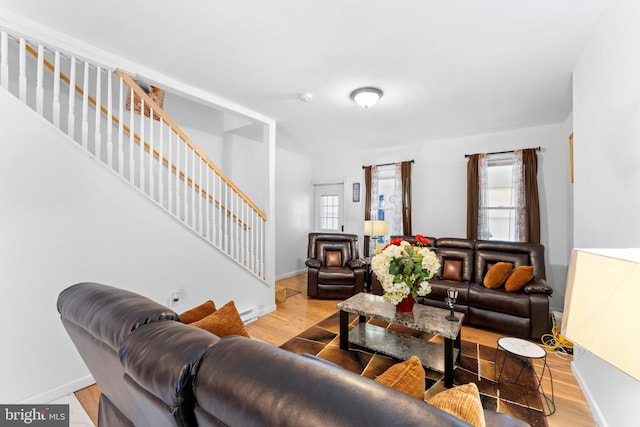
<point>174,298</point>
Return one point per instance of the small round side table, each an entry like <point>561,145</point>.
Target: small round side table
<point>521,353</point>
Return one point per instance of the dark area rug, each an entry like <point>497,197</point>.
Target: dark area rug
<point>477,363</point>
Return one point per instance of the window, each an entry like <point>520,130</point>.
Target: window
<point>329,212</point>
<point>500,199</point>
<point>387,204</point>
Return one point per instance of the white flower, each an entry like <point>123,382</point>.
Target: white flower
<point>405,278</point>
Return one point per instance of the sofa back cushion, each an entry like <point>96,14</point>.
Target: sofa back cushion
<point>516,253</point>
<point>457,259</point>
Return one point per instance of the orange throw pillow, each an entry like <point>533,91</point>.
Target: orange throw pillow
<point>520,277</point>
<point>462,402</point>
<point>197,313</point>
<point>497,275</point>
<point>224,321</point>
<point>407,377</point>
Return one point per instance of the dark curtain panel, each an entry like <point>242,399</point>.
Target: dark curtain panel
<point>532,203</point>
<point>405,172</point>
<point>367,206</point>
<point>473,196</point>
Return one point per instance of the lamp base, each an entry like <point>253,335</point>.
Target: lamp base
<point>451,318</point>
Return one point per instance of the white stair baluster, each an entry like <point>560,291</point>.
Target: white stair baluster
<point>178,204</point>
<point>22,72</point>
<point>39,80</point>
<point>208,204</point>
<point>56,90</point>
<point>4,60</point>
<point>97,135</point>
<point>121,127</point>
<point>185,193</point>
<point>109,120</point>
<point>85,106</point>
<point>71,117</point>
<point>132,166</point>
<point>141,159</point>
<point>194,192</point>
<point>202,195</point>
<point>160,162</point>
<point>170,197</point>
<point>151,155</point>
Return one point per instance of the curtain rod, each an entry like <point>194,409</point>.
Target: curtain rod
<point>508,151</point>
<point>389,164</point>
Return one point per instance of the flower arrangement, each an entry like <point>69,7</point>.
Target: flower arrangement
<point>404,269</point>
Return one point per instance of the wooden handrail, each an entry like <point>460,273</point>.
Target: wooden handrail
<point>157,110</point>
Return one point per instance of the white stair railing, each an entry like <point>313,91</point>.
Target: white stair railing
<point>146,149</point>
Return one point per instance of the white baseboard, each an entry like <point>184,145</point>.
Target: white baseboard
<point>595,409</point>
<point>291,274</point>
<point>59,391</point>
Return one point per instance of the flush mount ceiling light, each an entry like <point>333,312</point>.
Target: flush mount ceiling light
<point>366,96</point>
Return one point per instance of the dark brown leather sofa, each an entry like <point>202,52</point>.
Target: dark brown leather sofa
<point>335,270</point>
<point>464,264</point>
<point>155,371</point>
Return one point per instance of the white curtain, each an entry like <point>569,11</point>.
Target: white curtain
<point>518,199</point>
<point>374,192</point>
<point>483,198</point>
<point>395,222</point>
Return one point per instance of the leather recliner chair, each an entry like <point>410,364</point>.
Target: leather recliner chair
<point>335,270</point>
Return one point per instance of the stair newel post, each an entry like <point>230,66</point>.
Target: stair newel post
<point>56,89</point>
<point>141,168</point>
<point>97,134</point>
<point>109,124</point>
<point>85,106</point>
<point>121,127</point>
<point>71,115</point>
<point>39,80</point>
<point>4,60</point>
<point>132,107</point>
<point>22,71</point>
<point>160,164</point>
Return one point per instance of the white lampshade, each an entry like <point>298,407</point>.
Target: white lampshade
<point>376,228</point>
<point>366,96</point>
<point>602,305</point>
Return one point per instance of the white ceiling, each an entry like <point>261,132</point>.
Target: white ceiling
<point>447,67</point>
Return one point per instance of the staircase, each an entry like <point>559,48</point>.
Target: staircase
<point>118,123</point>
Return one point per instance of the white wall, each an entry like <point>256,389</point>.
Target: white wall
<point>606,122</point>
<point>294,211</point>
<point>439,186</point>
<point>65,219</point>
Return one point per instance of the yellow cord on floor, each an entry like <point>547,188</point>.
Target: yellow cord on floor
<point>554,341</point>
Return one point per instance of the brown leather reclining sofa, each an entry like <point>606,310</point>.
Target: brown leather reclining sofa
<point>464,264</point>
<point>155,371</point>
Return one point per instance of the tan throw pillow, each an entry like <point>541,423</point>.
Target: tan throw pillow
<point>224,321</point>
<point>197,313</point>
<point>519,277</point>
<point>452,270</point>
<point>407,377</point>
<point>497,275</point>
<point>462,402</point>
<point>333,259</point>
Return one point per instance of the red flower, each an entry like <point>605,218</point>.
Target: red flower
<point>422,240</point>
<point>396,241</point>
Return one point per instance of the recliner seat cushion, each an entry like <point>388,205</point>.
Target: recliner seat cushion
<point>335,276</point>
<point>516,304</point>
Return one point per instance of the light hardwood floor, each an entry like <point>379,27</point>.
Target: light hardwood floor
<point>298,313</point>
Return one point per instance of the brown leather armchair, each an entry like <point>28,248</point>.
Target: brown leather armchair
<point>335,270</point>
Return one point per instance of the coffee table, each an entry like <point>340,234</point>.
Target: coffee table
<point>423,318</point>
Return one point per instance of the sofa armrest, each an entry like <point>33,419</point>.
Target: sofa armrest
<point>537,286</point>
<point>313,263</point>
<point>355,263</point>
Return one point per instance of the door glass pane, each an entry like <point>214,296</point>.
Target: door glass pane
<point>329,208</point>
